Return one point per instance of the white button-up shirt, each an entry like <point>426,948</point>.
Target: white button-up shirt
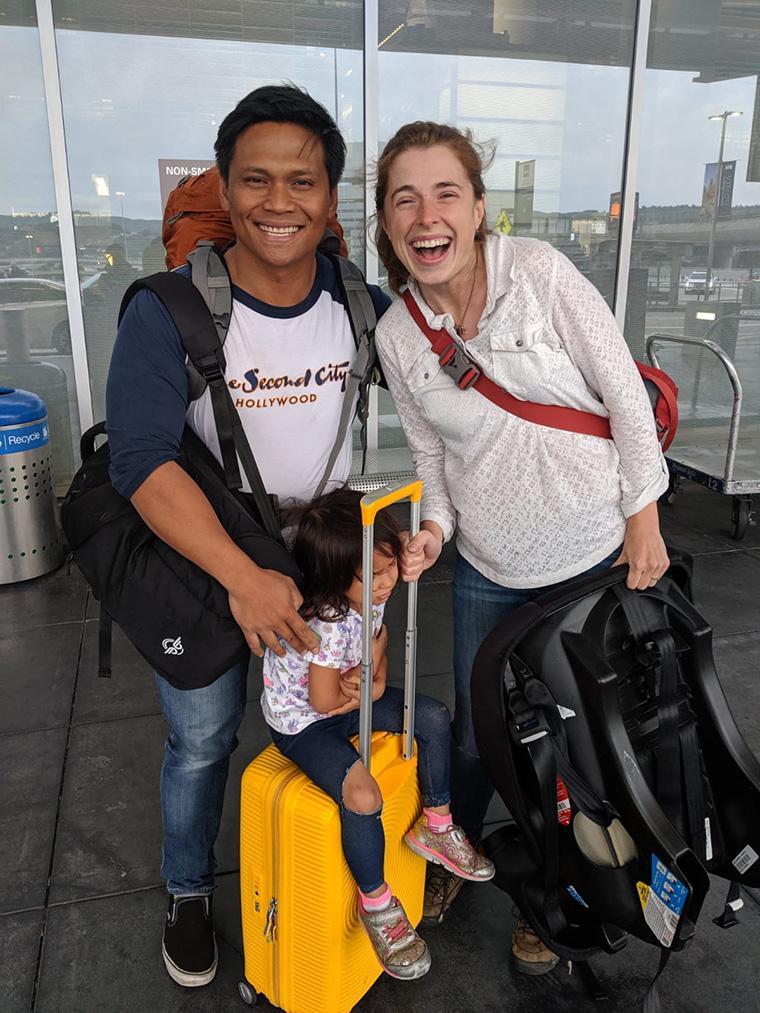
<point>531,505</point>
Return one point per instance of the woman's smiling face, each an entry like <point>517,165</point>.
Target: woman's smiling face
<point>431,214</point>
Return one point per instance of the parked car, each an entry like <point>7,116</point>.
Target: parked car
<point>35,308</point>
<point>696,282</point>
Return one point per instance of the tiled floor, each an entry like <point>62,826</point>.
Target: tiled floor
<point>81,901</point>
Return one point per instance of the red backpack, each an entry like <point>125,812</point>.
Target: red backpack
<point>194,212</point>
<point>662,391</point>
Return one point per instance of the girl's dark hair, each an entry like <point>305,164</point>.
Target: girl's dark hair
<point>282,103</point>
<point>424,134</point>
<point>328,550</point>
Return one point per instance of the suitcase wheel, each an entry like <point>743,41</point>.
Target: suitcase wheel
<point>249,996</point>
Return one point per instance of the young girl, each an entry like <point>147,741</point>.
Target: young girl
<point>311,704</point>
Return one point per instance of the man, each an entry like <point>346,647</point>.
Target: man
<point>289,344</point>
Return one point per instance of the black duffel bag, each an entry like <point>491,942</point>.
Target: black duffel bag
<point>177,615</point>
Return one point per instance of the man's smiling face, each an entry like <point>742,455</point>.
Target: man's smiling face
<point>278,194</point>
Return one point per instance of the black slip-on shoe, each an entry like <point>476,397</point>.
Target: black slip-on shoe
<point>189,944</point>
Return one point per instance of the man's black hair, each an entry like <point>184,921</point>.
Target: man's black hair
<point>328,550</point>
<point>282,103</point>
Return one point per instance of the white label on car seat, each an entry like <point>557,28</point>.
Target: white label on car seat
<point>708,840</point>
<point>565,712</point>
<point>746,858</point>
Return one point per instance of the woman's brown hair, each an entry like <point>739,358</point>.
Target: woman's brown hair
<point>424,134</point>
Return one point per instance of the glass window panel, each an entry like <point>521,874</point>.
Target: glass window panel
<point>695,268</point>
<point>142,83</point>
<point>35,344</point>
<point>543,80</point>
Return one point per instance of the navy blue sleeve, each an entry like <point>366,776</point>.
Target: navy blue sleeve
<point>146,395</point>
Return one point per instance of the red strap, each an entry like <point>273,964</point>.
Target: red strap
<point>555,417</point>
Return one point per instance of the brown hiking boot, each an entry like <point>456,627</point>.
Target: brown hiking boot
<point>529,955</point>
<point>441,888</point>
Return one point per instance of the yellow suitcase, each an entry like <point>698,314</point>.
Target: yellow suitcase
<point>305,948</point>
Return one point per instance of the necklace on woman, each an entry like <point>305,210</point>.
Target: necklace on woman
<point>459,327</point>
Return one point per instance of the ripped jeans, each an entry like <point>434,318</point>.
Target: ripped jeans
<point>325,754</point>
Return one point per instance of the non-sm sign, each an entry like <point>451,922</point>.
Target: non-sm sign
<point>171,171</point>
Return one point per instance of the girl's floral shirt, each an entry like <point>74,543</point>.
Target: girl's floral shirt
<point>285,699</point>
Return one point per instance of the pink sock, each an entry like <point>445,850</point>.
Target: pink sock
<point>437,823</point>
<point>379,903</point>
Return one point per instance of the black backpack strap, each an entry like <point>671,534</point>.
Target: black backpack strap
<point>87,442</point>
<point>537,725</point>
<point>363,320</point>
<point>652,998</point>
<point>733,903</point>
<point>530,729</point>
<point>677,756</point>
<point>538,696</point>
<point>200,337</point>
<point>210,276</point>
<point>105,639</point>
<point>668,751</point>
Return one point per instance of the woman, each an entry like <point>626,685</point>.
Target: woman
<point>532,506</point>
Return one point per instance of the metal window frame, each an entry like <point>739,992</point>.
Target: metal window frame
<point>61,181</point>
<point>371,151</point>
<point>631,157</point>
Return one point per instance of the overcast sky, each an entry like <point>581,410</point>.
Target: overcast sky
<point>125,107</point>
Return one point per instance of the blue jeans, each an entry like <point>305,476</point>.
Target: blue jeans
<point>203,726</point>
<point>325,754</point>
<point>479,605</point>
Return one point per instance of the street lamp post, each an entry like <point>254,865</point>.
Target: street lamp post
<point>718,183</point>
<point>121,195</point>
<point>29,239</point>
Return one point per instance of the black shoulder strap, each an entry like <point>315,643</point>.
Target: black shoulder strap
<point>679,785</point>
<point>202,341</point>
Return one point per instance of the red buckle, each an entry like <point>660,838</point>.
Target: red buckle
<point>448,354</point>
<point>468,378</point>
<point>459,366</point>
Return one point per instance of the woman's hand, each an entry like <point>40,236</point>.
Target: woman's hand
<point>643,549</point>
<point>419,553</point>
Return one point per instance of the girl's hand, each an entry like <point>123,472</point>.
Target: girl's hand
<point>346,708</point>
<point>350,684</point>
<point>419,553</point>
<point>643,549</point>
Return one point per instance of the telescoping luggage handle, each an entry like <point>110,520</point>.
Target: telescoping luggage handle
<point>371,505</point>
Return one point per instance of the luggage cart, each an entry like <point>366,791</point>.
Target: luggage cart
<point>723,460</point>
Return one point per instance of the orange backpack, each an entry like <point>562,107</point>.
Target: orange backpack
<point>194,212</point>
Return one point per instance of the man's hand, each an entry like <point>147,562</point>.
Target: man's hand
<point>643,549</point>
<point>419,553</point>
<point>265,606</point>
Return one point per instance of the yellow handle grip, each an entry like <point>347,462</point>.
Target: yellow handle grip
<point>373,502</point>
